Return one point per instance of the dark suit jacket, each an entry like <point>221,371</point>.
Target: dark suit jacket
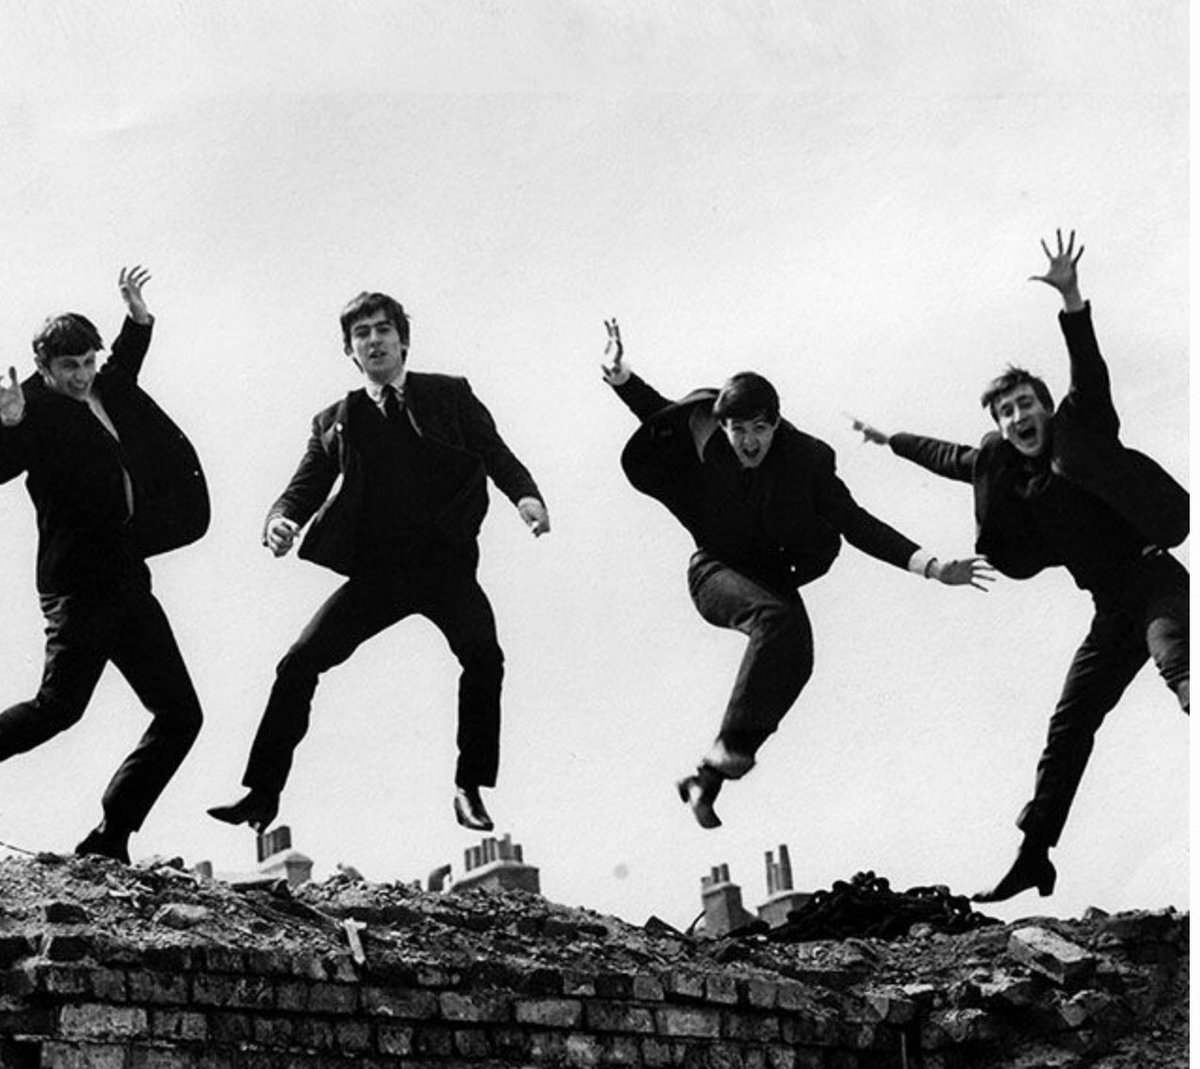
<point>808,507</point>
<point>1084,449</point>
<point>450,418</point>
<point>85,534</point>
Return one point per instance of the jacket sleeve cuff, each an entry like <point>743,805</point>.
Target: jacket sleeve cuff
<point>920,561</point>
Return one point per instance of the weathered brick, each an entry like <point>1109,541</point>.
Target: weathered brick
<point>352,1036</point>
<point>394,1039</point>
<point>1051,954</point>
<point>619,1050</point>
<point>434,1040</point>
<point>291,996</point>
<point>578,983</point>
<point>95,1020</point>
<point>474,1007</point>
<point>647,988</point>
<point>779,1057</point>
<point>60,1055</point>
<point>890,1005</point>
<point>761,994</point>
<point>271,1030</point>
<point>548,1047</point>
<point>945,1027</point>
<point>617,1017</point>
<point>14,948</point>
<point>512,1043</point>
<point>815,1025</point>
<point>614,985</point>
<point>341,967</point>
<point>158,1058</point>
<point>313,1032</point>
<point>751,1027</point>
<point>656,1053</point>
<point>224,959</point>
<point>684,985</point>
<point>229,1027</point>
<point>550,1012</point>
<point>687,1021</point>
<point>169,959</point>
<point>158,987</point>
<point>436,976</point>
<point>472,1043</point>
<point>721,989</point>
<point>541,982</point>
<point>55,979</point>
<point>333,998</point>
<point>251,992</point>
<point>413,1005</point>
<point>582,1051</point>
<point>267,962</point>
<point>65,946</point>
<point>178,1024</point>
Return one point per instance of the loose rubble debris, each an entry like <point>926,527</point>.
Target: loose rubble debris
<point>918,956</point>
<point>867,906</point>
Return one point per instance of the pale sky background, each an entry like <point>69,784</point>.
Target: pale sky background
<point>846,197</point>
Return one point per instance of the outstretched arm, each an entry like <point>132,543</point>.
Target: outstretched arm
<point>643,399</point>
<point>947,459</point>
<point>129,347</point>
<point>872,536</point>
<point>1090,395</point>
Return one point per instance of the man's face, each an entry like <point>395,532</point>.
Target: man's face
<point>71,375</point>
<point>1023,420</point>
<point>376,347</point>
<point>750,438</point>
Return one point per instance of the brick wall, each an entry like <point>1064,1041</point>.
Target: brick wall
<point>72,997</point>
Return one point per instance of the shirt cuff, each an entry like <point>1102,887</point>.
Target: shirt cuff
<point>919,561</point>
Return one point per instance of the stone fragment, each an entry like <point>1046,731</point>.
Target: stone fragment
<point>1051,955</point>
<point>1090,1007</point>
<point>890,1005</point>
<point>181,915</point>
<point>1004,988</point>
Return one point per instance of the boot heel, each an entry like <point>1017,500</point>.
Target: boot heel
<point>1046,881</point>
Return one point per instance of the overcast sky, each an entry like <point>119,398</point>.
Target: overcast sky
<point>845,197</point>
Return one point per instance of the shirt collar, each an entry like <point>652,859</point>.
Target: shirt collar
<point>375,390</point>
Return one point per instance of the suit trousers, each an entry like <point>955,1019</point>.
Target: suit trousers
<point>450,597</point>
<point>778,661</point>
<point>1142,614</point>
<point>126,625</point>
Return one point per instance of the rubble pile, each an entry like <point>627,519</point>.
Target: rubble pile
<point>105,962</point>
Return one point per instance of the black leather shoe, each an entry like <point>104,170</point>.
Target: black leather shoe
<point>699,791</point>
<point>1032,868</point>
<point>469,810</point>
<point>103,841</point>
<point>258,808</point>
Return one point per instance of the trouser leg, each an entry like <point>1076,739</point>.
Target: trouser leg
<point>354,612</point>
<point>778,661</point>
<point>1168,625</point>
<point>80,631</point>
<point>147,655</point>
<point>462,613</point>
<point>1104,665</point>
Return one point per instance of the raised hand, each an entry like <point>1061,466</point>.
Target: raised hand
<point>970,571</point>
<point>130,283</point>
<point>12,400</point>
<point>869,433</point>
<point>616,372</point>
<point>1061,272</point>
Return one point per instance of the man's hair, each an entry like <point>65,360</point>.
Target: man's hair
<point>69,334</point>
<point>1012,378</point>
<point>367,304</point>
<point>747,395</point>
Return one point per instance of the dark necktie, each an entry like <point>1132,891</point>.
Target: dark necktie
<point>391,404</point>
